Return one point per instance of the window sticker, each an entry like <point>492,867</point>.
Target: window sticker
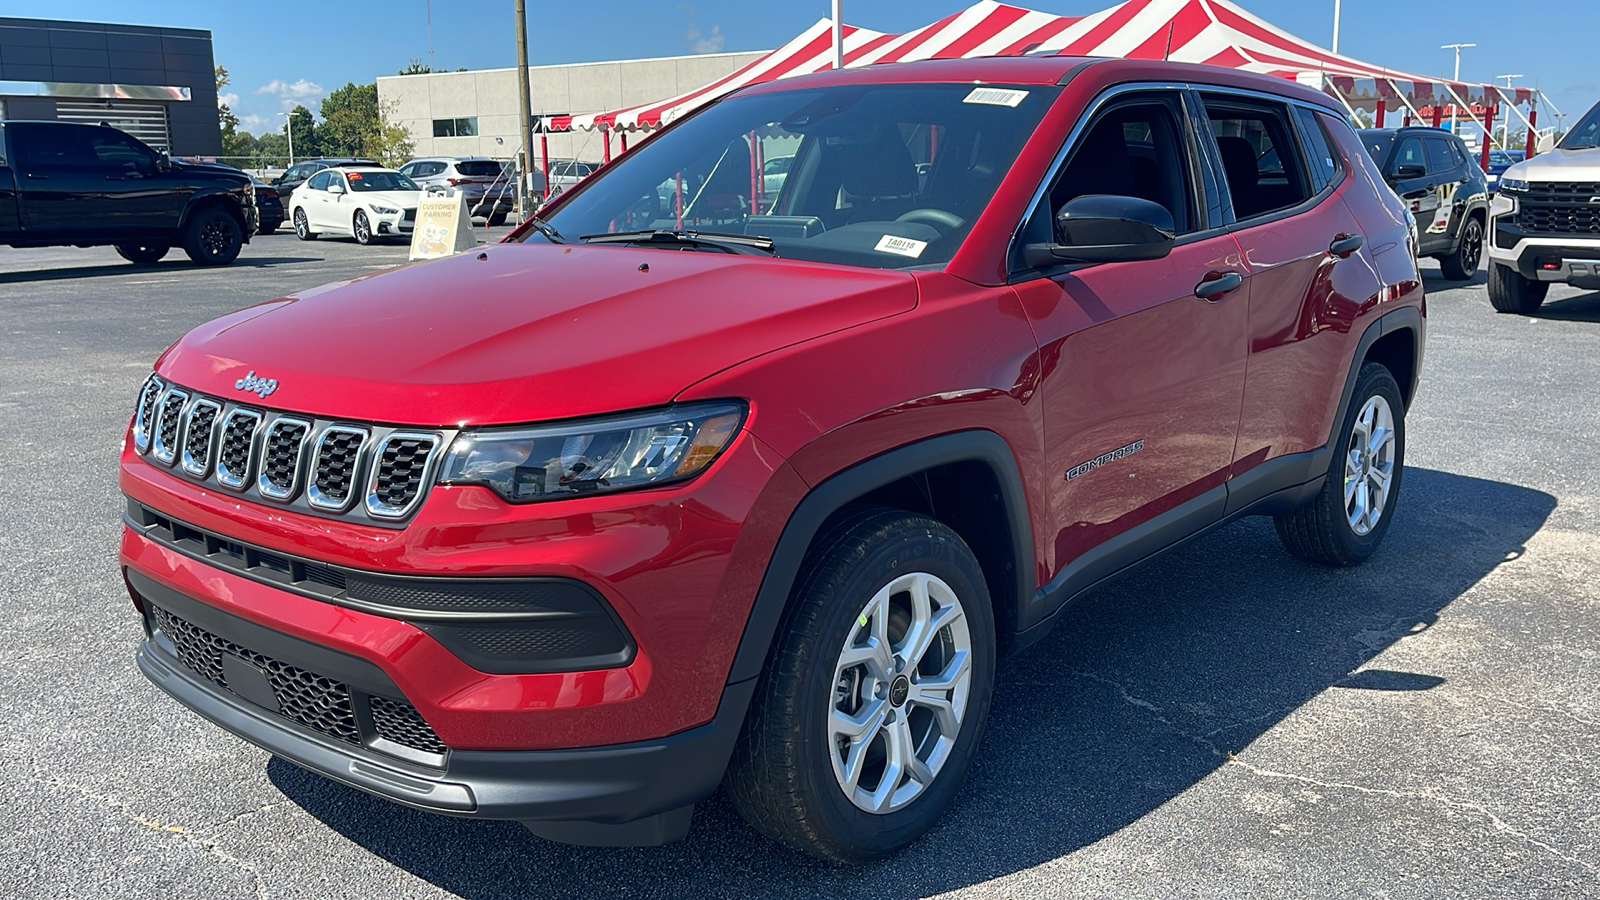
<point>901,246</point>
<point>995,96</point>
<point>353,176</point>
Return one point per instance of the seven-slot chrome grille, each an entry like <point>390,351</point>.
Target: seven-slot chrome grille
<point>333,468</point>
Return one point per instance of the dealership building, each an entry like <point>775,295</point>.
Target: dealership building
<point>475,113</point>
<point>158,84</point>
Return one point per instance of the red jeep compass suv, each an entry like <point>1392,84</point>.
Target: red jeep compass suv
<point>705,478</point>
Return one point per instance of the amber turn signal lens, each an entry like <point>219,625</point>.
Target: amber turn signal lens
<point>707,443</point>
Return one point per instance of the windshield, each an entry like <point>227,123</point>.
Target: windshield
<point>882,175</point>
<point>475,168</point>
<point>380,181</point>
<point>1586,133</point>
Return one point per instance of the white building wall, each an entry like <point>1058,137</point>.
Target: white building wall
<point>576,89</point>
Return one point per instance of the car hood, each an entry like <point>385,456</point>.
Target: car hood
<point>526,332</point>
<point>1558,165</point>
<point>392,198</point>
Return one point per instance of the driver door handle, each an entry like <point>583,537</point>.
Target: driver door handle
<point>1217,285</point>
<point>1345,244</point>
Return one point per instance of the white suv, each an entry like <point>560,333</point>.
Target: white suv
<point>488,187</point>
<point>1544,223</point>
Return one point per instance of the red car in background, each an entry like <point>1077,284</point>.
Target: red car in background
<point>687,484</point>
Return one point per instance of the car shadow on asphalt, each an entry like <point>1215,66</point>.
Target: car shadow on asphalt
<point>1433,281</point>
<point>1582,308</point>
<point>69,273</point>
<point>1144,689</point>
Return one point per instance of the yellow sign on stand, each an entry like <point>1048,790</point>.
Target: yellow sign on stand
<point>442,228</point>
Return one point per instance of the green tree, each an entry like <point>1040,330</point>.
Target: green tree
<point>234,142</point>
<point>392,144</point>
<point>350,120</point>
<point>306,135</point>
<point>415,67</point>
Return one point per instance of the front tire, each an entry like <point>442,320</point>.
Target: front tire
<point>1509,292</point>
<point>213,237</point>
<point>302,228</point>
<point>143,254</point>
<point>1462,263</point>
<point>1346,521</point>
<point>497,219</point>
<point>361,228</point>
<point>870,710</point>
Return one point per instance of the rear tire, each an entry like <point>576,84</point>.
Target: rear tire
<point>143,254</point>
<point>302,228</point>
<point>266,229</point>
<point>1461,263</point>
<point>213,238</point>
<point>872,704</point>
<point>497,219</point>
<point>1509,292</point>
<point>1344,523</point>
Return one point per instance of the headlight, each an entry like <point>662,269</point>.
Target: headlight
<point>1513,185</point>
<point>384,210</point>
<point>596,456</point>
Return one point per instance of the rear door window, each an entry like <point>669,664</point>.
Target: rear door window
<point>45,148</point>
<point>1322,161</point>
<point>1260,157</point>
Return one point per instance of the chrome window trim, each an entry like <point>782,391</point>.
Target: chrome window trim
<point>200,468</point>
<point>240,481</point>
<point>376,508</point>
<point>266,488</point>
<point>314,495</point>
<point>159,451</point>
<point>141,425</point>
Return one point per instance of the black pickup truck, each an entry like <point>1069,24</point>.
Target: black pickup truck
<point>66,184</point>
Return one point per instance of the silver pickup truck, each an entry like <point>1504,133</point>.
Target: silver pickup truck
<point>1544,223</point>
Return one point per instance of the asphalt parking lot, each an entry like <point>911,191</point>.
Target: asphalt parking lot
<point>1226,722</point>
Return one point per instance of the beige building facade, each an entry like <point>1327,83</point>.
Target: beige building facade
<point>475,113</point>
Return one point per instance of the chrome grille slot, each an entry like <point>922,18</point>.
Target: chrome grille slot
<point>1559,208</point>
<point>330,468</point>
<point>398,475</point>
<point>238,443</point>
<point>145,412</point>
<point>169,416</point>
<point>280,458</point>
<point>198,435</point>
<point>334,466</point>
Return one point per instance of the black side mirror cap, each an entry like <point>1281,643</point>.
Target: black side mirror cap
<point>1098,228</point>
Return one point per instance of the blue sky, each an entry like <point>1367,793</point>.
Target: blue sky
<point>296,51</point>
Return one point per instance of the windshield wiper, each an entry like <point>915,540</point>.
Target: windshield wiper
<point>546,229</point>
<point>745,244</point>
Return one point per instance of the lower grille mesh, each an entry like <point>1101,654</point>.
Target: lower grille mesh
<point>320,703</point>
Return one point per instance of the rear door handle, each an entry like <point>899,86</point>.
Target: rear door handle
<point>1218,284</point>
<point>1345,244</point>
<point>36,177</point>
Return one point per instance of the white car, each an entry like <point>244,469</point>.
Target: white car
<point>365,202</point>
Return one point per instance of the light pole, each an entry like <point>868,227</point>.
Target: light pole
<point>1505,129</point>
<point>288,124</point>
<point>1335,47</point>
<point>838,34</point>
<point>1455,79</point>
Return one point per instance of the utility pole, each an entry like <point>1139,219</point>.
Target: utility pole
<point>1455,79</point>
<point>288,123</point>
<point>1335,47</point>
<point>524,103</point>
<point>838,34</point>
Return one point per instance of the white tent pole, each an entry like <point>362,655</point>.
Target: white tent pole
<point>838,34</point>
<point>1401,94</point>
<point>1470,114</point>
<point>1328,85</point>
<point>1513,108</point>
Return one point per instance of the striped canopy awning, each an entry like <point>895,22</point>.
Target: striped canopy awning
<point>1212,32</point>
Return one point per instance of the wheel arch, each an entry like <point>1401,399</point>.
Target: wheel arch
<point>202,202</point>
<point>969,480</point>
<point>1394,342</point>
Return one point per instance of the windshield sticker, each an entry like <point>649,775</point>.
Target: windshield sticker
<point>899,245</point>
<point>995,96</point>
<point>353,176</point>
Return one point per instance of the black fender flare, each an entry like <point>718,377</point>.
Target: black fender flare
<point>1402,319</point>
<point>783,567</point>
<point>201,200</point>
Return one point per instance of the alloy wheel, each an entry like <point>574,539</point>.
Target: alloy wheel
<point>1369,465</point>
<point>300,226</point>
<point>1472,246</point>
<point>901,685</point>
<point>363,230</point>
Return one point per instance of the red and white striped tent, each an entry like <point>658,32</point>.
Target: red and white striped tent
<point>1213,32</point>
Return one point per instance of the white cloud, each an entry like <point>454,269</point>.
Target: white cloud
<point>230,100</point>
<point>257,124</point>
<point>293,94</point>
<point>704,43</point>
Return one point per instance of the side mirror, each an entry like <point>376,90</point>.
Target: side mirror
<point>1409,172</point>
<point>335,187</point>
<point>163,162</point>
<point>1098,228</point>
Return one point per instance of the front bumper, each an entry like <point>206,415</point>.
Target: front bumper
<point>634,793</point>
<point>1558,258</point>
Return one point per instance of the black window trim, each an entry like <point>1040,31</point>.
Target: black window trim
<point>1327,139</point>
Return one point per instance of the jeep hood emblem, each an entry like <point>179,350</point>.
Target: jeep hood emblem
<point>261,387</point>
